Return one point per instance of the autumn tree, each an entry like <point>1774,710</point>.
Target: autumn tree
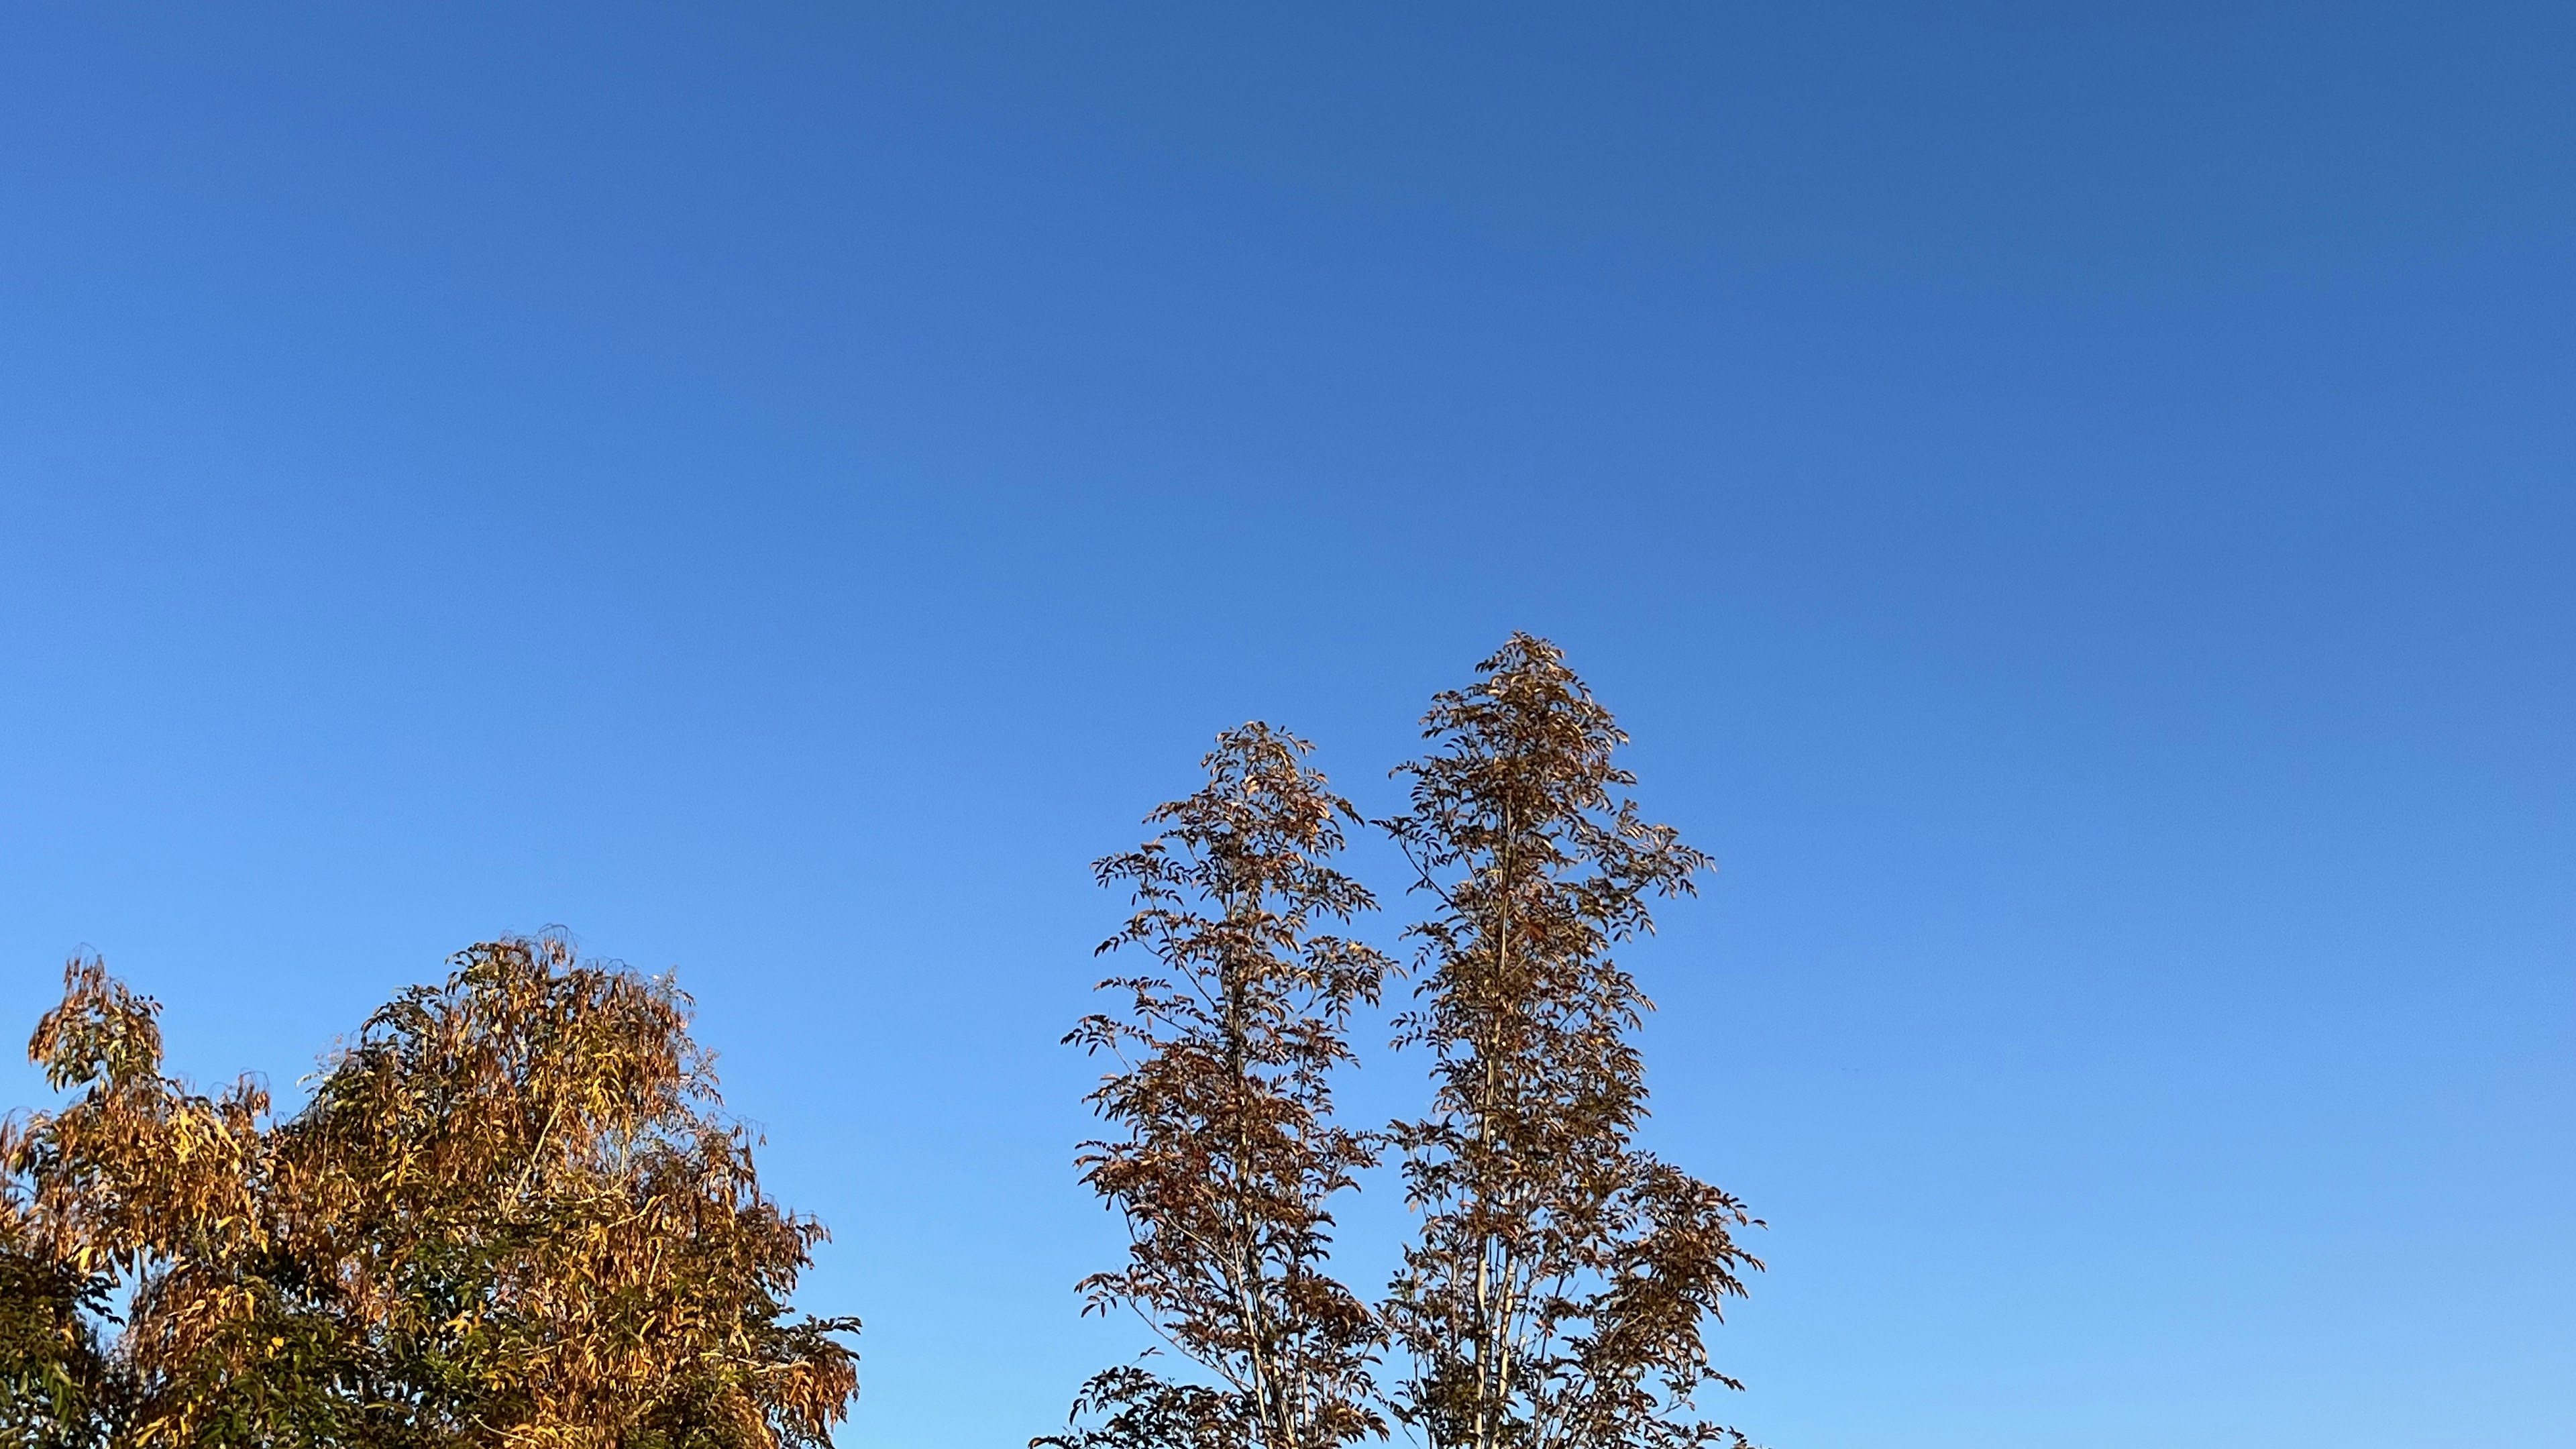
<point>1227,1155</point>
<point>143,1187</point>
<point>1556,1293</point>
<point>511,1214</point>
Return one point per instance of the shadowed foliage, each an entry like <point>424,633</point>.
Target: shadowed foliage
<point>1230,1156</point>
<point>52,1375</point>
<point>511,1214</point>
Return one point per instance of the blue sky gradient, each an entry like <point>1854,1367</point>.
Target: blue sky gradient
<point>2074,508</point>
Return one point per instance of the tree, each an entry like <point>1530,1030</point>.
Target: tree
<point>511,1214</point>
<point>143,1186</point>
<point>1555,1294</point>
<point>1230,1155</point>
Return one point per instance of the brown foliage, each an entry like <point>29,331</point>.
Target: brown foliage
<point>1555,1294</point>
<point>1558,1289</point>
<point>1230,1156</point>
<point>511,1214</point>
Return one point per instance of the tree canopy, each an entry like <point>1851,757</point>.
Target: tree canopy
<point>511,1213</point>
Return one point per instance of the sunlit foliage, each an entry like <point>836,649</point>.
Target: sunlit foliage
<point>511,1213</point>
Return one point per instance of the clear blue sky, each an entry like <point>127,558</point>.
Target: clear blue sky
<point>2074,507</point>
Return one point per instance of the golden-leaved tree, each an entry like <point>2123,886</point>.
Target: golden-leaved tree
<point>511,1214</point>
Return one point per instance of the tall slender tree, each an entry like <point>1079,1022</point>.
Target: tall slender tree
<point>1556,1294</point>
<point>1229,1157</point>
